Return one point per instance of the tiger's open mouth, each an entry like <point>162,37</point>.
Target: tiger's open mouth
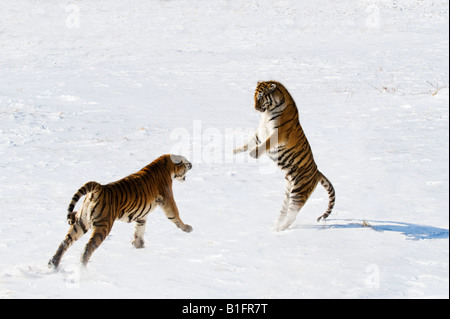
<point>262,108</point>
<point>181,178</point>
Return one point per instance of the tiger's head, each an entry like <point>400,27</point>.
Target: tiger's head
<point>181,167</point>
<point>268,96</point>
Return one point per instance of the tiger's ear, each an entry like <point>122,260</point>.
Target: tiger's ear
<point>176,159</point>
<point>272,87</point>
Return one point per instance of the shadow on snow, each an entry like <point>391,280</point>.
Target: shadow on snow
<point>411,231</point>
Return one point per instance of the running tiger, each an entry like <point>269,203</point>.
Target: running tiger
<point>129,199</point>
<point>281,136</point>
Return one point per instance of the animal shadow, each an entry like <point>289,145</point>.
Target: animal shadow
<point>409,230</point>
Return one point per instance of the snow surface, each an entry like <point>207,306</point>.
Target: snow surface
<point>95,90</point>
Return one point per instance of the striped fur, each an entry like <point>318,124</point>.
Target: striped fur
<point>281,136</point>
<point>130,199</point>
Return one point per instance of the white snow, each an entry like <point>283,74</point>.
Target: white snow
<point>95,90</point>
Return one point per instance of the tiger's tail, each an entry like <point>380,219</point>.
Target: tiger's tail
<point>331,195</point>
<point>85,189</point>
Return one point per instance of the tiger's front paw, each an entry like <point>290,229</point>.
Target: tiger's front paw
<point>254,153</point>
<point>187,228</point>
<point>238,150</point>
<point>138,242</point>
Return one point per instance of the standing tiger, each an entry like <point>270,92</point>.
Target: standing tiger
<point>281,136</point>
<point>129,199</point>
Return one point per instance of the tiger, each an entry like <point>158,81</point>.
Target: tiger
<point>281,137</point>
<point>129,199</point>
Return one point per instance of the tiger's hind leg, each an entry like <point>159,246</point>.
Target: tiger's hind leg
<point>100,230</point>
<point>76,230</point>
<point>285,206</point>
<point>291,215</point>
<point>296,201</point>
